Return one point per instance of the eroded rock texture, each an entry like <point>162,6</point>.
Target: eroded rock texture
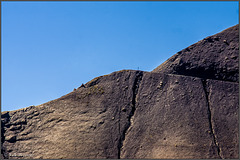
<point>186,108</point>
<point>87,123</point>
<point>176,118</point>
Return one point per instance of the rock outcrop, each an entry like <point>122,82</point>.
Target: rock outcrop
<point>214,57</point>
<point>185,108</point>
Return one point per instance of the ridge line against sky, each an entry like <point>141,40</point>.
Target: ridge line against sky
<point>50,48</point>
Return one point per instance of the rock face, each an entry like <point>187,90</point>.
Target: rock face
<point>215,57</point>
<point>182,117</point>
<point>186,108</point>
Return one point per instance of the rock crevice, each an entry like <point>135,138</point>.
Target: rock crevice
<point>137,81</point>
<point>206,91</point>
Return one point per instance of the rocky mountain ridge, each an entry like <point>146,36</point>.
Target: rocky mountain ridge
<point>214,57</point>
<point>185,108</point>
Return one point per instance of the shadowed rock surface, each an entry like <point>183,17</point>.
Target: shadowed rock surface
<point>186,108</point>
<point>214,57</point>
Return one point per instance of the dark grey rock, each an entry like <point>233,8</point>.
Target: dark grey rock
<point>215,57</point>
<point>224,105</point>
<point>173,121</point>
<point>186,108</point>
<point>77,125</point>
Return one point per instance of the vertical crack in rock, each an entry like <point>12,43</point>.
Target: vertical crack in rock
<point>138,78</point>
<point>210,118</point>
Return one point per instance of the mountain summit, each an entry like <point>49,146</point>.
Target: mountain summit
<point>187,108</point>
<point>214,57</point>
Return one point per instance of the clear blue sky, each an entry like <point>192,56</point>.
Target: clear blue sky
<point>50,48</point>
